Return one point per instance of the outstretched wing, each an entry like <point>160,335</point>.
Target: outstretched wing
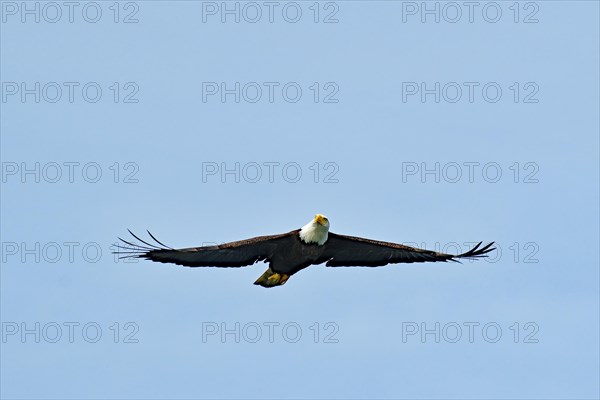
<point>234,254</point>
<point>350,251</point>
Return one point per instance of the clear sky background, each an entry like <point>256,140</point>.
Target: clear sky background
<point>533,307</point>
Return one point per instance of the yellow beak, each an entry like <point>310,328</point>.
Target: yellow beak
<point>319,219</point>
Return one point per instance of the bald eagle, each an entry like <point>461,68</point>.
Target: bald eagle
<point>291,252</point>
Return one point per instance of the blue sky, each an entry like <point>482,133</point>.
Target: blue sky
<point>137,126</point>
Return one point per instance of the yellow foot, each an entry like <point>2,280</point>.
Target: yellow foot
<point>271,279</point>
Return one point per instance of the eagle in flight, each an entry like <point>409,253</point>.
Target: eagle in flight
<point>291,252</point>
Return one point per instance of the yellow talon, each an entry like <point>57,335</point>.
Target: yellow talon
<point>271,279</point>
<point>275,277</point>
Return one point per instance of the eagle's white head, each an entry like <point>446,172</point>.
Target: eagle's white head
<point>316,231</point>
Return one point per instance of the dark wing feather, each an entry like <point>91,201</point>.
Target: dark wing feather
<point>349,251</point>
<point>233,254</point>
